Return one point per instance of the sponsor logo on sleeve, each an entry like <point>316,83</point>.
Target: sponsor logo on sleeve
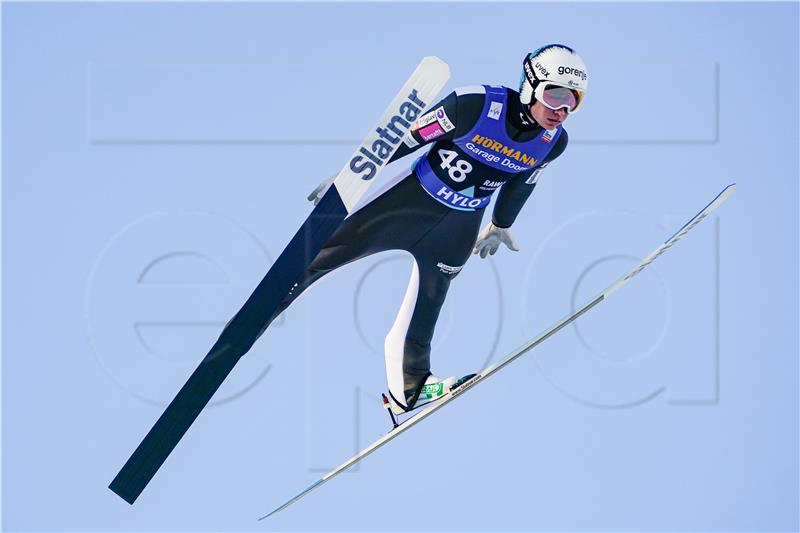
<point>431,131</point>
<point>443,119</point>
<point>437,115</point>
<point>495,109</point>
<point>426,119</point>
<point>434,124</point>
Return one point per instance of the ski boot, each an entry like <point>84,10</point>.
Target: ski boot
<point>430,390</point>
<point>433,389</point>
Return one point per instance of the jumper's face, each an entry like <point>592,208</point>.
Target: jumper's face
<point>546,117</point>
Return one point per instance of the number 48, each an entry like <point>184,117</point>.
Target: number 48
<point>458,171</point>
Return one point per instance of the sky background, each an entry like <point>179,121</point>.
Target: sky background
<point>157,157</point>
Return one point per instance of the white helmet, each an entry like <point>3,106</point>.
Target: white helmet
<point>554,64</point>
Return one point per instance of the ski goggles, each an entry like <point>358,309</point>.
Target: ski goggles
<point>557,96</point>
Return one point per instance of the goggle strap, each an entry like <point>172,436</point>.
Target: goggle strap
<point>529,74</point>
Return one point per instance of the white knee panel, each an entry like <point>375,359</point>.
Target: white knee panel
<point>394,345</point>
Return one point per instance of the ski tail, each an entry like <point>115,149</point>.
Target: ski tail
<point>290,502</point>
<point>236,339</point>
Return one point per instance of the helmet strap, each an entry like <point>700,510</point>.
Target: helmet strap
<point>525,114</point>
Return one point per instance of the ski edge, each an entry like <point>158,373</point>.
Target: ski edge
<point>491,369</point>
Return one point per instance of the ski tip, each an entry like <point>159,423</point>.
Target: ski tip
<point>124,491</point>
<point>727,191</point>
<point>281,508</point>
<point>435,62</point>
<point>290,502</point>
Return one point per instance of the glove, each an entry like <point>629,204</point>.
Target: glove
<point>317,194</point>
<point>490,238</point>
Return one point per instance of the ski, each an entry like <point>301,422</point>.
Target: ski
<point>340,200</point>
<point>470,381</point>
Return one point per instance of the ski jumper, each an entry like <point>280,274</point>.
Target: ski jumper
<point>481,141</point>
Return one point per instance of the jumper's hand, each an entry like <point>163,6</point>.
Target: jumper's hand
<point>490,238</point>
<point>317,194</point>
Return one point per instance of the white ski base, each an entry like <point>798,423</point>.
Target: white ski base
<point>425,83</point>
